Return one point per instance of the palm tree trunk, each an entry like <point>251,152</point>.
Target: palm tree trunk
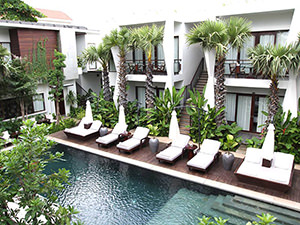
<point>122,82</point>
<point>106,89</point>
<point>149,86</point>
<point>274,99</point>
<point>220,90</point>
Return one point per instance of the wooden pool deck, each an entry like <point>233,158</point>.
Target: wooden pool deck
<point>216,176</point>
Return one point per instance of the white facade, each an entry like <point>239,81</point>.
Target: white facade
<point>71,42</point>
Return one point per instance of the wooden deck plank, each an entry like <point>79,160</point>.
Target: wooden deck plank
<point>216,173</point>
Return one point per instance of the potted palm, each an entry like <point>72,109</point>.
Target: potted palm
<point>229,144</point>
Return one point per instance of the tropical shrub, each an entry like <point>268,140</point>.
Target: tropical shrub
<point>264,219</point>
<point>287,134</point>
<point>201,120</point>
<point>160,115</point>
<point>12,126</point>
<point>23,179</point>
<point>227,134</point>
<point>63,124</point>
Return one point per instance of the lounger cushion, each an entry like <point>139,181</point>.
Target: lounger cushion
<point>210,147</point>
<point>80,131</point>
<point>275,175</point>
<point>250,169</point>
<point>253,155</point>
<point>96,125</point>
<point>201,160</point>
<point>129,144</point>
<point>181,141</point>
<point>283,161</point>
<point>107,139</point>
<point>140,133</point>
<point>170,153</point>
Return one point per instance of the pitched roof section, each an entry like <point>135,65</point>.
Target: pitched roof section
<point>54,14</point>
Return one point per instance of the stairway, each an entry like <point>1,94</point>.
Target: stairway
<point>186,206</point>
<point>185,117</point>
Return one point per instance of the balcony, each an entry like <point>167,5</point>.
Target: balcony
<point>158,67</point>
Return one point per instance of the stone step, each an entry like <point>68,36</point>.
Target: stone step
<point>265,206</point>
<point>255,210</point>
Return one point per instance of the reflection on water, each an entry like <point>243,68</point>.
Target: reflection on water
<point>109,192</point>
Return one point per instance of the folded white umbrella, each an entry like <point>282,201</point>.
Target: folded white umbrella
<point>88,112</point>
<point>268,146</point>
<point>122,115</point>
<point>174,127</point>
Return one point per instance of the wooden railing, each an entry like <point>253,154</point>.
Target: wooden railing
<point>158,66</point>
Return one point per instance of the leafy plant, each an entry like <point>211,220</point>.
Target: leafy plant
<point>255,142</point>
<point>12,125</point>
<point>227,134</point>
<point>23,181</point>
<point>71,98</point>
<point>153,130</point>
<point>217,221</point>
<point>264,219</point>
<point>64,123</point>
<point>160,115</point>
<point>202,120</point>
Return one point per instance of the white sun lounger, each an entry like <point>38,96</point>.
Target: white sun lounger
<point>81,133</point>
<point>113,136</point>
<point>207,155</point>
<point>174,150</point>
<point>139,138</point>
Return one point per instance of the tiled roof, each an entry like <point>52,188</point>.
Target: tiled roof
<point>53,14</point>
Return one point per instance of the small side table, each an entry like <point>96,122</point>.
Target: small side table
<point>190,150</point>
<point>124,136</point>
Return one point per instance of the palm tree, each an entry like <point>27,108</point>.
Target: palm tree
<point>274,61</point>
<point>101,54</point>
<point>146,38</point>
<point>218,36</point>
<point>122,40</point>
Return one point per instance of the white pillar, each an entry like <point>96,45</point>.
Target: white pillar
<point>168,46</point>
<point>210,58</point>
<point>115,54</point>
<point>290,101</point>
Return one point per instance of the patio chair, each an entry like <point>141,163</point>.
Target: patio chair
<point>113,136</point>
<point>139,138</point>
<point>81,133</point>
<point>174,150</point>
<point>206,156</point>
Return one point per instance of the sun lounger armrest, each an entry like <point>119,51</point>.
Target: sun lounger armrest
<point>144,141</point>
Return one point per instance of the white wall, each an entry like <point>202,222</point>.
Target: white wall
<point>68,47</point>
<point>269,21</point>
<point>192,56</point>
<point>90,81</point>
<point>4,35</point>
<point>49,105</point>
<point>80,43</point>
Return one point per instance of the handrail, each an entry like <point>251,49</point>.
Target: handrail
<point>195,78</point>
<point>79,87</point>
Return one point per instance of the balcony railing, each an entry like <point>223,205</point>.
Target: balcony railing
<point>158,67</point>
<point>244,69</point>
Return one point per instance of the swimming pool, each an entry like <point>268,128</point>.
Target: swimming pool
<point>106,191</point>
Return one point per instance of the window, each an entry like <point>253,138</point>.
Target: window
<point>247,110</point>
<point>7,46</point>
<point>9,108</point>
<point>140,96</point>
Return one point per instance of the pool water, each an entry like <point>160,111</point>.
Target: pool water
<point>106,191</point>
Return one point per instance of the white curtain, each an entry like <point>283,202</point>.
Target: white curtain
<point>160,52</point>
<point>141,96</point>
<point>281,38</point>
<point>262,106</point>
<point>230,107</point>
<point>267,39</point>
<point>249,43</point>
<point>232,57</point>
<point>244,112</point>
<point>138,53</point>
<point>129,56</point>
<point>38,103</point>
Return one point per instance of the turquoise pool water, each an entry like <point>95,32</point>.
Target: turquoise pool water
<point>109,192</point>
